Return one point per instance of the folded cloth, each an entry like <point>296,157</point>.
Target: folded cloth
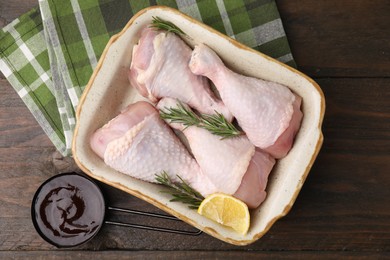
<point>49,53</point>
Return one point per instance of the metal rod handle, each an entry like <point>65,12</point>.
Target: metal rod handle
<point>149,214</point>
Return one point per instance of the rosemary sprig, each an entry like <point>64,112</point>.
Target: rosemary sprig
<point>160,24</point>
<point>181,114</point>
<point>218,125</point>
<point>215,124</point>
<point>181,191</point>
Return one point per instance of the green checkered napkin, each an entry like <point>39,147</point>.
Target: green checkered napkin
<point>49,53</point>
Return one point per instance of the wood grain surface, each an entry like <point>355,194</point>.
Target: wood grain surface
<point>343,210</point>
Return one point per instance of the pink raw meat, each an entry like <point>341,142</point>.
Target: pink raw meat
<point>159,68</point>
<point>231,164</point>
<point>268,112</point>
<point>138,143</point>
<point>253,184</point>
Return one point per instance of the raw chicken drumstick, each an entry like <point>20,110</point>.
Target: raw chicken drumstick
<point>253,184</point>
<point>268,112</point>
<point>159,68</point>
<point>138,143</point>
<point>231,164</point>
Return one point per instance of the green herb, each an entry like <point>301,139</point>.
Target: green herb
<point>218,125</point>
<point>160,24</point>
<point>180,191</point>
<point>215,124</point>
<point>180,114</point>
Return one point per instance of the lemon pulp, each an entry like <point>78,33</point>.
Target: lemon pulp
<point>226,210</point>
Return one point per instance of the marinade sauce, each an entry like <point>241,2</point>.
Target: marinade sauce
<point>68,210</point>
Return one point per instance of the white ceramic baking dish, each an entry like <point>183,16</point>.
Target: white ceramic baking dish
<point>109,91</point>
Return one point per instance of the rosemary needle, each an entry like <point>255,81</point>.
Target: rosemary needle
<point>215,124</point>
<point>160,24</point>
<point>181,191</point>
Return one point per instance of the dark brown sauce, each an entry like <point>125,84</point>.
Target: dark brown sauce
<point>68,210</point>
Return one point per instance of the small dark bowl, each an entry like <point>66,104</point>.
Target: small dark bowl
<point>68,210</point>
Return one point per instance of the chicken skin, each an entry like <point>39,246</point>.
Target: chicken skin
<point>268,112</point>
<point>159,68</point>
<point>138,143</point>
<point>231,164</point>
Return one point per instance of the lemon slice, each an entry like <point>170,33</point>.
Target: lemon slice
<point>226,210</point>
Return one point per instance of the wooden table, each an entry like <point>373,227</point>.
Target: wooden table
<point>343,209</point>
